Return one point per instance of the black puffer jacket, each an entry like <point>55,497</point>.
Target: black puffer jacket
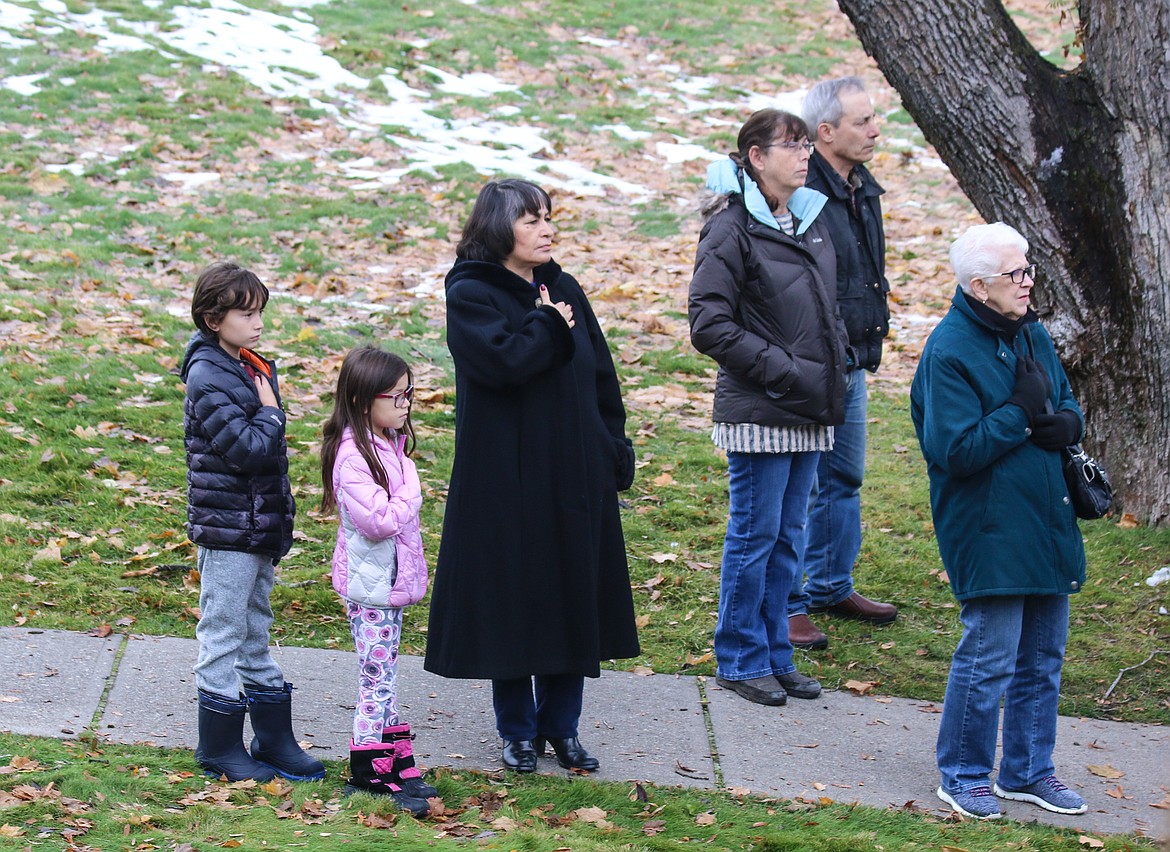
<point>762,304</point>
<point>862,288</point>
<point>238,493</point>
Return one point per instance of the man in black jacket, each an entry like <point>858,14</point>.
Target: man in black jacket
<point>841,120</point>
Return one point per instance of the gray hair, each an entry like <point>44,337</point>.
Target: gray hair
<point>822,104</point>
<point>975,253</point>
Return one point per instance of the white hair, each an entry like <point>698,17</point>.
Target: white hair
<point>976,253</point>
<point>822,104</point>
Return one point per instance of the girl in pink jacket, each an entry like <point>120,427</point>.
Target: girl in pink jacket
<point>378,562</point>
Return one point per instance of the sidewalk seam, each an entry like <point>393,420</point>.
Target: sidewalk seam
<point>94,723</point>
<point>712,746</point>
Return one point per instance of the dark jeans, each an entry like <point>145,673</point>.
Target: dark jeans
<point>542,705</point>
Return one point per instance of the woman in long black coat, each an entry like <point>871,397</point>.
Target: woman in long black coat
<point>532,587</point>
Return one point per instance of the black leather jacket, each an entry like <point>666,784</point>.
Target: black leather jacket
<point>862,287</point>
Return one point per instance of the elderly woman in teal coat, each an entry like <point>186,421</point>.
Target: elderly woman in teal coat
<point>993,408</point>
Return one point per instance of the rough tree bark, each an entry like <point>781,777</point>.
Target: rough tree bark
<point>1079,162</point>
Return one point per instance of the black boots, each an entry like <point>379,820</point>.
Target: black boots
<point>570,753</point>
<point>406,774</point>
<point>374,768</point>
<point>274,745</point>
<point>221,741</point>
<point>519,755</point>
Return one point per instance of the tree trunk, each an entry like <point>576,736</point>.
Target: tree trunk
<point>1077,162</point>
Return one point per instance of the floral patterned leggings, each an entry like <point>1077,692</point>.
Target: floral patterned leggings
<point>376,633</point>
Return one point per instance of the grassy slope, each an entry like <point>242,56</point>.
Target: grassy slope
<point>93,283</point>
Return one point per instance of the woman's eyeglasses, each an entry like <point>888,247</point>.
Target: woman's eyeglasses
<point>401,399</point>
<point>792,145</point>
<point>1017,275</point>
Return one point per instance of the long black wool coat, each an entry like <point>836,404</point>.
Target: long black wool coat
<point>532,575</point>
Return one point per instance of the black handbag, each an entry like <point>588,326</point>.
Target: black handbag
<point>1088,485</point>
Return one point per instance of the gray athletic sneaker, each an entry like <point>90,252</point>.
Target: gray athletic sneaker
<point>1049,794</point>
<point>976,803</point>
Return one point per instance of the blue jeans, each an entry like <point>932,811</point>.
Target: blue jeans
<point>1012,649</point>
<point>763,551</point>
<point>543,705</point>
<point>834,520</point>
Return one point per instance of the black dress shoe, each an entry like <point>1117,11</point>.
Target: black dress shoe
<point>800,686</point>
<point>761,690</point>
<point>570,753</point>
<point>520,755</point>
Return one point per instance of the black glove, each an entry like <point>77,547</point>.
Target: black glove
<point>1032,387</point>
<point>1053,431</point>
<point>625,466</point>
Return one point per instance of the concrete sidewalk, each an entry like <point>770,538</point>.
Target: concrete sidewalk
<point>662,729</point>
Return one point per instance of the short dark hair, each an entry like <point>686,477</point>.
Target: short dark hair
<point>762,128</point>
<point>488,234</point>
<point>222,287</point>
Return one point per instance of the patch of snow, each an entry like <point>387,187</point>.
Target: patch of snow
<point>75,168</point>
<point>624,131</point>
<point>476,85</point>
<point>693,85</point>
<point>261,47</point>
<point>1162,575</point>
<point>674,152</point>
<point>25,84</point>
<point>191,180</point>
<point>599,42</point>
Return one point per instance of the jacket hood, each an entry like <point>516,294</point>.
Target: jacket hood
<point>199,347</point>
<point>724,179</point>
<point>498,274</point>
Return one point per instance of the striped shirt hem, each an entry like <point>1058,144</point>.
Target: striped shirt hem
<point>754,438</point>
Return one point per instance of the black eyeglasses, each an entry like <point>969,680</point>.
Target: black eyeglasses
<point>398,398</point>
<point>1017,275</point>
<point>790,145</point>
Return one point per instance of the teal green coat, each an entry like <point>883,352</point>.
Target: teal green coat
<point>1002,515</point>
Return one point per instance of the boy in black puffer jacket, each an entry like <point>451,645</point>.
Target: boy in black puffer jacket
<point>240,515</point>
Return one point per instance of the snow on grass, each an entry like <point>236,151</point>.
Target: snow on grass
<point>279,54</point>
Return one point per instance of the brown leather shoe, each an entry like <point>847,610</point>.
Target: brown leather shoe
<point>862,609</point>
<point>802,633</point>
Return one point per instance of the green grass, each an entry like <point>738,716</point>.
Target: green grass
<point>141,798</point>
<point>94,496</point>
<point>95,275</point>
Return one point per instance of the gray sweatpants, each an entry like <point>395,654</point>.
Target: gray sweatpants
<point>233,626</point>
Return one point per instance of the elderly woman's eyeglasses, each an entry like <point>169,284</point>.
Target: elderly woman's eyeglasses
<point>1017,275</point>
<point>401,399</point>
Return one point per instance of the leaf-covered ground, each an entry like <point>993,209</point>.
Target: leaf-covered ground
<point>336,148</point>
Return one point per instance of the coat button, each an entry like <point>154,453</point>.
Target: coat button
<point>1065,501</point>
<point>1075,585</point>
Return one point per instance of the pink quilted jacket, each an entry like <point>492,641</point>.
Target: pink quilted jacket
<point>378,559</point>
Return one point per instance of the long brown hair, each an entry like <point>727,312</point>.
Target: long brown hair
<point>365,372</point>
